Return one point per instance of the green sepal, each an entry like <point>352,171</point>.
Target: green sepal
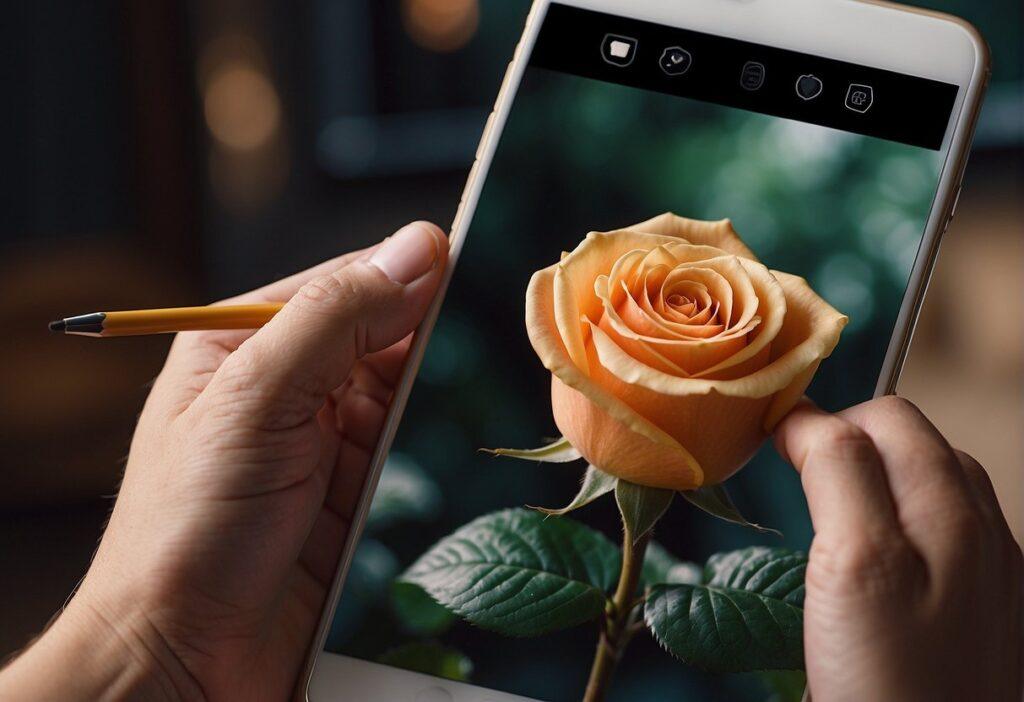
<point>560,451</point>
<point>641,507</point>
<point>595,484</point>
<point>715,501</point>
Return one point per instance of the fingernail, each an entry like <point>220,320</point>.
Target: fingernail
<point>408,254</point>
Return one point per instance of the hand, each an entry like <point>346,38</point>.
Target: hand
<point>244,472</point>
<point>914,580</point>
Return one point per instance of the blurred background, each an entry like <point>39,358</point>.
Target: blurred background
<point>166,153</point>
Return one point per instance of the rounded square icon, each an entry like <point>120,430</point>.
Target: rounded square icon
<point>675,61</point>
<point>618,50</point>
<point>752,77</point>
<point>860,97</point>
<point>809,86</point>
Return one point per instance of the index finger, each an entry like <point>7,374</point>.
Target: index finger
<point>928,484</point>
<point>841,471</point>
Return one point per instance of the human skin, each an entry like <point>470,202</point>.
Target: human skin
<point>243,474</point>
<point>251,452</point>
<point>914,579</point>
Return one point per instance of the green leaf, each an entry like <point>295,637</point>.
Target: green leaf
<point>417,612</point>
<point>773,572</point>
<point>641,506</point>
<point>715,501</point>
<point>660,566</point>
<point>747,615</point>
<point>520,573</point>
<point>431,659</point>
<point>784,685</point>
<point>560,451</point>
<point>595,484</point>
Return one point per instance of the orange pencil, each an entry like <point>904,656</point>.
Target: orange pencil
<point>167,321</point>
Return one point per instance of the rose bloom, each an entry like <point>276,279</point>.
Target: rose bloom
<point>673,350</point>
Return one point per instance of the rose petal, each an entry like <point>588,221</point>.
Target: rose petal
<point>809,336</point>
<point>726,281</point>
<point>608,443</point>
<point>648,291</point>
<point>646,353</point>
<point>772,309</point>
<point>691,355</point>
<point>720,433</point>
<point>575,278</point>
<point>718,234</point>
<point>729,278</point>
<point>640,321</point>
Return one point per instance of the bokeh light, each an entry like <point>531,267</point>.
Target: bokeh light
<point>441,25</point>
<point>241,106</point>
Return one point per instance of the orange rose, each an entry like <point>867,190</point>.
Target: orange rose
<point>673,351</point>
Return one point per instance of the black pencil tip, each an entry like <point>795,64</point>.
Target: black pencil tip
<point>58,325</point>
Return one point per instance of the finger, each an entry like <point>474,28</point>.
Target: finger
<point>389,363</point>
<point>376,373</point>
<point>362,407</point>
<point>323,547</point>
<point>327,534</point>
<point>286,370</point>
<point>195,356</point>
<point>359,409</point>
<point>1006,567</point>
<point>985,494</point>
<point>842,475</point>
<point>928,486</point>
<point>362,414</point>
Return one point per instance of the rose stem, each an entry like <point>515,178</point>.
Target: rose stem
<point>616,633</point>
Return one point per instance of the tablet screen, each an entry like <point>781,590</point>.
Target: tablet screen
<point>827,171</point>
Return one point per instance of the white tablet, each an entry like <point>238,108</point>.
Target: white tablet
<point>682,216</point>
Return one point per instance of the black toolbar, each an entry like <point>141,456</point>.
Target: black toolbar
<point>764,79</point>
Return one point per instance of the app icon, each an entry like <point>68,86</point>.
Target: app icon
<point>618,50</point>
<point>675,61</point>
<point>809,86</point>
<point>752,77</point>
<point>859,97</point>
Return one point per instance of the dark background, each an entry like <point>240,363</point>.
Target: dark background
<point>160,153</point>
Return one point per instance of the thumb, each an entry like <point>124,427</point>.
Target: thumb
<point>285,371</point>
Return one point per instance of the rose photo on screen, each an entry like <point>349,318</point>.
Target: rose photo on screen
<point>673,353</point>
<point>650,362</point>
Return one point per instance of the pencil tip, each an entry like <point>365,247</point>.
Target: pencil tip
<point>58,325</point>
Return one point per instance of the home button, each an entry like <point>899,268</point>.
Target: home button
<point>434,694</point>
